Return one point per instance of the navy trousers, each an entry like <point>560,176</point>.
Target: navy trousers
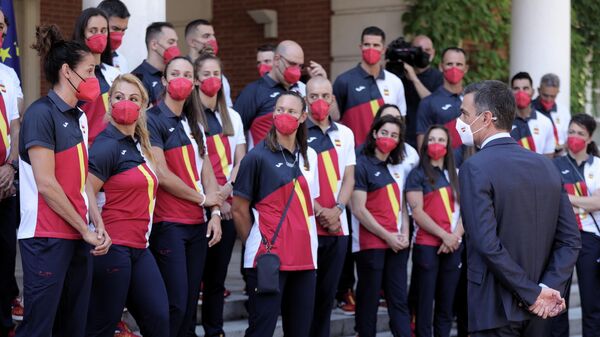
<point>330,259</point>
<point>57,278</point>
<point>8,254</point>
<point>295,302</point>
<point>437,277</point>
<point>180,252</point>
<point>215,268</point>
<point>377,267</point>
<point>588,277</point>
<point>127,277</point>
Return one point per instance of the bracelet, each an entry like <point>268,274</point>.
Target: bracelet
<point>203,199</point>
<point>216,212</point>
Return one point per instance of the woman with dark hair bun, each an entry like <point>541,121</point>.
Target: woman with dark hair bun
<point>380,228</point>
<point>580,170</point>
<point>91,29</point>
<point>54,236</point>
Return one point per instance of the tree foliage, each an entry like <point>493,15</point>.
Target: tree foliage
<point>480,27</point>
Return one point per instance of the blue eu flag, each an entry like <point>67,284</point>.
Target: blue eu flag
<point>9,52</point>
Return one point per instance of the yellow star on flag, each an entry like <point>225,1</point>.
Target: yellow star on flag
<point>5,54</point>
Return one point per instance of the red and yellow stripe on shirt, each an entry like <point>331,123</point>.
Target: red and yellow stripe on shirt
<point>182,162</point>
<point>329,177</point>
<point>527,142</point>
<point>579,189</point>
<point>151,179</point>
<point>439,205</point>
<point>219,153</point>
<point>360,117</point>
<point>95,112</point>
<point>4,131</point>
<point>384,205</point>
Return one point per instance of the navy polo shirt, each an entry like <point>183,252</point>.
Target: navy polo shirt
<point>432,79</point>
<point>383,184</point>
<point>438,202</point>
<point>266,180</point>
<point>441,107</point>
<point>51,123</point>
<point>172,134</point>
<point>256,104</point>
<point>129,187</point>
<point>151,78</point>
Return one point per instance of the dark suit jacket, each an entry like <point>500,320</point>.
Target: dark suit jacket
<point>520,231</point>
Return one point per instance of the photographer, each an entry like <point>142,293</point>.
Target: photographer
<point>412,63</point>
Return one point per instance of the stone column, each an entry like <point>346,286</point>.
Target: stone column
<point>541,42</point>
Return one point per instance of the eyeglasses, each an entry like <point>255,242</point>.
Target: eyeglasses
<point>290,63</point>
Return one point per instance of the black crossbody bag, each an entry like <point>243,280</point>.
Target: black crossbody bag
<point>267,264</point>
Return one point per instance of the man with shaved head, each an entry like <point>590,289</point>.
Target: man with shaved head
<point>257,100</point>
<point>418,84</point>
<point>334,145</point>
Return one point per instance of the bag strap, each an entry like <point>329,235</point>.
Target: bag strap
<point>267,244</point>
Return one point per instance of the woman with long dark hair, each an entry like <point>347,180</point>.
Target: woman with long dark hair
<point>55,235</point>
<point>380,228</point>
<point>121,167</point>
<point>432,193</point>
<point>91,29</point>
<point>182,231</point>
<point>580,170</point>
<point>226,146</point>
<point>278,180</point>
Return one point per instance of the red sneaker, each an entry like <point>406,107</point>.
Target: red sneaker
<point>348,304</point>
<point>17,310</point>
<point>226,293</point>
<point>123,330</point>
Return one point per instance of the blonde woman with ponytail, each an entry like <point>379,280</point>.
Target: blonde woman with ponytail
<point>121,164</point>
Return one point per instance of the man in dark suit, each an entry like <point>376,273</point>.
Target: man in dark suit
<point>521,234</point>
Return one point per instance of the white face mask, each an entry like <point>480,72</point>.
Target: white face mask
<point>464,131</point>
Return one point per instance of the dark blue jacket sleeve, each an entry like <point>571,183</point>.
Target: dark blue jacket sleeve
<point>103,158</point>
<point>38,128</point>
<point>246,181</point>
<point>245,105</point>
<point>424,116</point>
<point>155,130</point>
<point>415,179</point>
<point>479,220</point>
<point>361,176</point>
<point>566,246</point>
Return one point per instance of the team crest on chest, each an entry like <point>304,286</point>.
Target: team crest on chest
<point>338,143</point>
<point>536,130</point>
<point>386,92</point>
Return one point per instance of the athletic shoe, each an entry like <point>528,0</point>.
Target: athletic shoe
<point>348,303</point>
<point>123,330</point>
<point>17,310</point>
<point>226,293</point>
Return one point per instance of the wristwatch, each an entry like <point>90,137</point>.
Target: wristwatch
<point>216,213</point>
<point>341,206</point>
